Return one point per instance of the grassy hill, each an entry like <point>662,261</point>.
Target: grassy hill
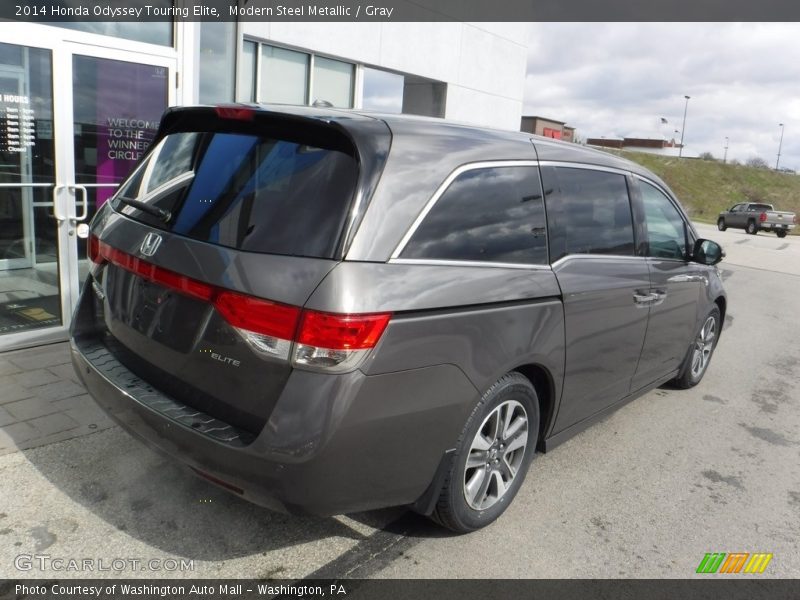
<point>705,187</point>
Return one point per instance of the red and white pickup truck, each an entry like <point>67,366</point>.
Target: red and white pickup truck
<point>757,216</point>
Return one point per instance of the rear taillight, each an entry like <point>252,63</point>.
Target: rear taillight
<point>336,342</point>
<point>260,316</point>
<point>342,332</point>
<point>268,327</point>
<point>322,341</point>
<point>762,217</point>
<point>94,250</point>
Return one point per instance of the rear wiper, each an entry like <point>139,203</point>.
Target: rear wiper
<point>158,213</point>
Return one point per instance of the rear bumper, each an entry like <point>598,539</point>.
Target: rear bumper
<point>333,443</point>
<point>776,226</point>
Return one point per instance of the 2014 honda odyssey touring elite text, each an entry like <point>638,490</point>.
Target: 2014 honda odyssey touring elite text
<point>328,311</point>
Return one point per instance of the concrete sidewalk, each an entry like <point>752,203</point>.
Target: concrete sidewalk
<point>42,401</point>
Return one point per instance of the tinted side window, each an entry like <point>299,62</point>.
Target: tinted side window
<point>665,228</point>
<point>493,214</point>
<point>588,212</point>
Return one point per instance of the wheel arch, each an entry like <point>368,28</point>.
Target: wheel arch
<point>542,381</point>
<point>722,304</point>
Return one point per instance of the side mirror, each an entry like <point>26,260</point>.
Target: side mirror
<point>707,252</point>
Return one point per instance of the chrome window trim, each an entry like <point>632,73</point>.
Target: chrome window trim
<point>468,263</point>
<point>446,184</point>
<point>584,166</point>
<point>570,257</point>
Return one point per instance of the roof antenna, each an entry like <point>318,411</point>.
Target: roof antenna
<point>322,104</point>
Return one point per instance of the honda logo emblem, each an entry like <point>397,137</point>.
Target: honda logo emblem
<point>150,244</point>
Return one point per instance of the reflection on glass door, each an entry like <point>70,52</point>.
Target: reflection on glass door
<point>30,281</point>
<point>117,106</point>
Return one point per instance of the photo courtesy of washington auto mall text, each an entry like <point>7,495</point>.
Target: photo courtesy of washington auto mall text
<point>195,589</point>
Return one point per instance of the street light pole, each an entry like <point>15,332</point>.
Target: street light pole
<point>683,128</point>
<point>780,143</point>
<point>725,158</point>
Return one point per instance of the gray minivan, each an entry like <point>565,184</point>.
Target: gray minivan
<point>326,311</point>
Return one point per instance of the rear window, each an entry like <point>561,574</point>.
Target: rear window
<point>250,192</point>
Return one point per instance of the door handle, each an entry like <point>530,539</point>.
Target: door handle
<point>651,298</point>
<point>84,201</point>
<point>643,299</point>
<point>58,216</point>
<point>659,297</point>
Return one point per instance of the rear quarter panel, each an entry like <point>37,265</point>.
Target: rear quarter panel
<point>485,321</point>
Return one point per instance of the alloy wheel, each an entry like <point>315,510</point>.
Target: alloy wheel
<point>703,346</point>
<point>495,455</point>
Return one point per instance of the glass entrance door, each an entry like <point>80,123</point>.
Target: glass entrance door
<point>30,274</point>
<point>74,120</point>
<point>117,105</point>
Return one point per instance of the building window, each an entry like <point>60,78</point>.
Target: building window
<point>383,91</point>
<point>284,76</point>
<point>217,62</point>
<point>396,93</point>
<point>424,97</point>
<point>247,72</point>
<point>155,32</point>
<point>333,81</point>
<point>272,74</point>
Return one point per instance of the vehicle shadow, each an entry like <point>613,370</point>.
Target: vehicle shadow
<point>162,504</point>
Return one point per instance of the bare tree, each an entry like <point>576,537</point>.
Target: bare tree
<point>706,156</point>
<point>757,162</point>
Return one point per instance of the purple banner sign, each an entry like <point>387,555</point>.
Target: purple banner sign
<point>127,101</point>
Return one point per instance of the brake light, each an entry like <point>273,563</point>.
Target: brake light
<point>94,250</point>
<point>337,343</point>
<point>259,316</point>
<point>762,217</point>
<point>342,332</point>
<point>324,341</point>
<point>237,113</point>
<point>145,270</point>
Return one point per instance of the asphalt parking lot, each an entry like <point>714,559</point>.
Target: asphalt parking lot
<point>645,493</point>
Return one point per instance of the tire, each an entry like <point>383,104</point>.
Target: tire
<point>751,228</point>
<point>721,224</point>
<point>701,349</point>
<point>781,233</point>
<point>474,496</point>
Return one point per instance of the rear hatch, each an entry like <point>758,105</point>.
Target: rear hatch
<point>207,253</point>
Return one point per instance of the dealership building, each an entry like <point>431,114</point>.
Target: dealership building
<point>80,102</point>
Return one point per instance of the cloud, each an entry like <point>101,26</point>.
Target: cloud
<point>622,78</point>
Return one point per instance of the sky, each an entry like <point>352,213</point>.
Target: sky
<point>621,79</point>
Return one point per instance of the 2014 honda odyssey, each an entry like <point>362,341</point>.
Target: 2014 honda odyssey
<point>327,311</point>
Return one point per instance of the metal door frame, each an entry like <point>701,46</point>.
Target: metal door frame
<point>69,198</point>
